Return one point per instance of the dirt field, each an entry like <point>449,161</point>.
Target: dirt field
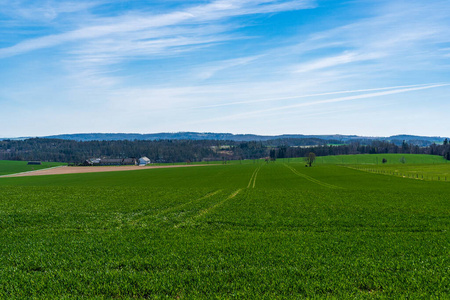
<point>72,170</point>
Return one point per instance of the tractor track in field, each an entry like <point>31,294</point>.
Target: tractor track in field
<point>252,182</point>
<point>312,179</point>
<point>173,208</point>
<point>207,210</point>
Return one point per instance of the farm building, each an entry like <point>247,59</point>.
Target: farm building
<point>129,161</point>
<point>87,162</point>
<point>96,161</point>
<point>118,161</point>
<point>144,161</point>
<point>92,162</point>
<point>110,162</point>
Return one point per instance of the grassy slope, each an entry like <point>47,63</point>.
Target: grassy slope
<point>371,159</point>
<point>420,171</point>
<point>374,159</point>
<point>12,166</point>
<point>326,231</point>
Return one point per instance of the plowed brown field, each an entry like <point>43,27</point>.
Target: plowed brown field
<point>72,170</point>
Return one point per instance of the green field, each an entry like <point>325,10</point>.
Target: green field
<point>13,166</point>
<point>440,172</point>
<point>376,159</point>
<point>254,230</point>
<point>368,159</point>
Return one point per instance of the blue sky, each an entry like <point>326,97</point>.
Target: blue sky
<point>361,67</point>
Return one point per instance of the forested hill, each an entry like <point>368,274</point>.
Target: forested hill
<point>194,136</point>
<point>311,139</point>
<point>59,150</point>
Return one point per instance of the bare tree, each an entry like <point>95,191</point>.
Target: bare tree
<point>310,158</point>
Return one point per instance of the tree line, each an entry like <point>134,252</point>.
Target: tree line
<point>171,151</point>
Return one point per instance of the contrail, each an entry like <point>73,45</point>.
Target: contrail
<point>333,100</point>
<point>313,95</point>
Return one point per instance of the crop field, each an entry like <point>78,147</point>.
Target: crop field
<point>368,159</point>
<point>376,159</point>
<point>258,230</point>
<point>11,166</point>
<point>439,172</point>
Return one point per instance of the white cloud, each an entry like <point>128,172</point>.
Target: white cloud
<point>398,36</point>
<point>214,67</point>
<point>333,61</point>
<point>43,11</point>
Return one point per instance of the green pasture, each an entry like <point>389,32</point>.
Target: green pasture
<point>351,159</point>
<point>377,159</point>
<point>260,230</point>
<point>12,166</point>
<point>440,172</point>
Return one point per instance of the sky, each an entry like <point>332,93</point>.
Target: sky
<point>365,67</point>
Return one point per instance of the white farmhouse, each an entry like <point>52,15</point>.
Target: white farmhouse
<point>144,161</point>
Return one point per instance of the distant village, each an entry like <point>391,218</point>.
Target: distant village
<point>143,161</point>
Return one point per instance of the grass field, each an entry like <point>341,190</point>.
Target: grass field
<point>12,166</point>
<point>369,159</point>
<point>440,172</point>
<point>253,231</point>
<point>376,159</point>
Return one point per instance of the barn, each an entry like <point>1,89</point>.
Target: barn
<point>92,162</point>
<point>118,161</point>
<point>144,161</point>
<point>111,161</point>
<point>129,161</point>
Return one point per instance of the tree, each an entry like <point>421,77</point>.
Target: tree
<point>310,158</point>
<point>446,142</point>
<point>282,151</point>
<point>272,154</point>
<point>405,147</point>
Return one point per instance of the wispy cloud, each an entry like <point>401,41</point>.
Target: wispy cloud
<point>214,67</point>
<point>333,61</point>
<point>400,35</point>
<point>123,29</point>
<point>43,11</point>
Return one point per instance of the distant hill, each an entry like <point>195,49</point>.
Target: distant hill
<point>315,139</point>
<point>230,137</point>
<point>183,147</point>
<point>415,137</point>
<point>194,136</point>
